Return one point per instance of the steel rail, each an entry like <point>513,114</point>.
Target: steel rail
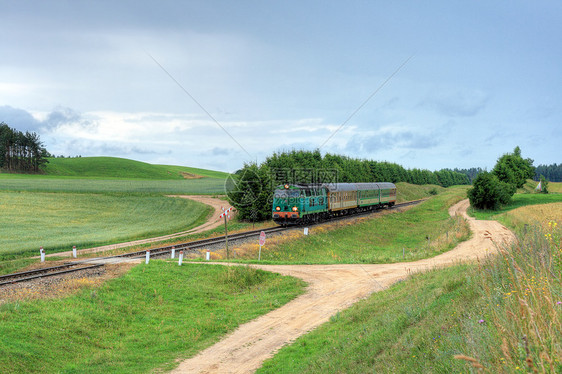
<point>41,273</point>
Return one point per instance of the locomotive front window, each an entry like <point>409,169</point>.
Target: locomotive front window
<point>281,194</point>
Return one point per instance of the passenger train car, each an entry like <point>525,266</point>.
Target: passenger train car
<point>295,204</point>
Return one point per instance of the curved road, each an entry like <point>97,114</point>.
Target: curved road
<point>331,289</point>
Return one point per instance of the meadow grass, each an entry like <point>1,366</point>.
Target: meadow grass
<point>121,168</point>
<point>409,192</point>
<point>530,185</point>
<point>111,174</point>
<point>141,322</point>
<point>420,232</point>
<point>502,315</point>
<point>57,221</point>
<point>518,200</point>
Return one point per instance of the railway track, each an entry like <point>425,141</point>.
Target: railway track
<point>44,272</point>
<point>160,251</point>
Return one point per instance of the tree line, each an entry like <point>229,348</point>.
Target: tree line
<point>21,152</point>
<point>552,172</point>
<point>251,188</point>
<point>312,167</point>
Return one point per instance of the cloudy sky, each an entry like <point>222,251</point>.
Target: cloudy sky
<point>214,84</point>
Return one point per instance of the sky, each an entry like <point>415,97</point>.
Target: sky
<point>216,84</point>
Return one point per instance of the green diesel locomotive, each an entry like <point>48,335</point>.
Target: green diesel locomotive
<point>295,204</point>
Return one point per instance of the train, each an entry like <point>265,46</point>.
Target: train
<point>297,204</point>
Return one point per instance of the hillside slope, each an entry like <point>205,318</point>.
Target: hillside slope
<point>113,167</point>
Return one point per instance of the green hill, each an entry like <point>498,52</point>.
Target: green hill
<point>113,167</point>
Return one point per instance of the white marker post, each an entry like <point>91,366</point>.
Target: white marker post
<point>208,255</point>
<point>306,231</point>
<point>181,258</point>
<point>173,252</point>
<point>261,242</point>
<point>42,254</point>
<point>147,256</point>
<point>74,251</point>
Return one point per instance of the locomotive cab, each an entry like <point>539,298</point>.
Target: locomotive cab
<point>288,204</point>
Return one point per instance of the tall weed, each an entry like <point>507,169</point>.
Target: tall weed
<point>522,294</point>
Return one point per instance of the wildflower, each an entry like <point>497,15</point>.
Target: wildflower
<point>558,302</point>
<point>481,321</point>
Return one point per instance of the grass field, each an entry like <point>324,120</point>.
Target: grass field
<point>530,185</point>
<point>518,200</point>
<point>57,221</point>
<point>409,192</point>
<point>110,174</point>
<point>120,168</point>
<point>141,322</point>
<point>500,316</point>
<point>36,183</point>
<point>421,232</point>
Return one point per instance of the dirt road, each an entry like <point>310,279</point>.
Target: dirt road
<point>331,288</point>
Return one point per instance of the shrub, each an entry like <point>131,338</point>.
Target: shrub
<point>544,184</point>
<point>489,193</point>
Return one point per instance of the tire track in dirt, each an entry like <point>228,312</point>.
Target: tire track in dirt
<point>331,289</point>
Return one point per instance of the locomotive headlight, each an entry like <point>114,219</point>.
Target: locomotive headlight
<point>286,186</point>
<point>277,208</point>
<point>295,209</point>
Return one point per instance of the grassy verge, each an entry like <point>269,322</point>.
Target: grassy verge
<point>141,322</point>
<point>421,232</point>
<point>57,221</point>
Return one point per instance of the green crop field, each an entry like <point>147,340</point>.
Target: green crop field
<point>207,186</point>
<point>110,174</point>
<point>57,221</point>
<point>120,168</point>
<point>93,201</point>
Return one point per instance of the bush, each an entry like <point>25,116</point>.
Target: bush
<point>544,185</point>
<point>489,193</point>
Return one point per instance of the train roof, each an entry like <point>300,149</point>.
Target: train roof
<point>335,187</point>
<point>341,186</point>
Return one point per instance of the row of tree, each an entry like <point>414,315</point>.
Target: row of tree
<point>251,189</point>
<point>552,172</point>
<point>21,152</point>
<point>493,189</point>
<point>300,166</point>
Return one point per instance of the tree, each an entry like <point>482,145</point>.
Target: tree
<point>513,169</point>
<point>488,192</point>
<point>250,192</point>
<point>21,152</point>
<point>544,184</point>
